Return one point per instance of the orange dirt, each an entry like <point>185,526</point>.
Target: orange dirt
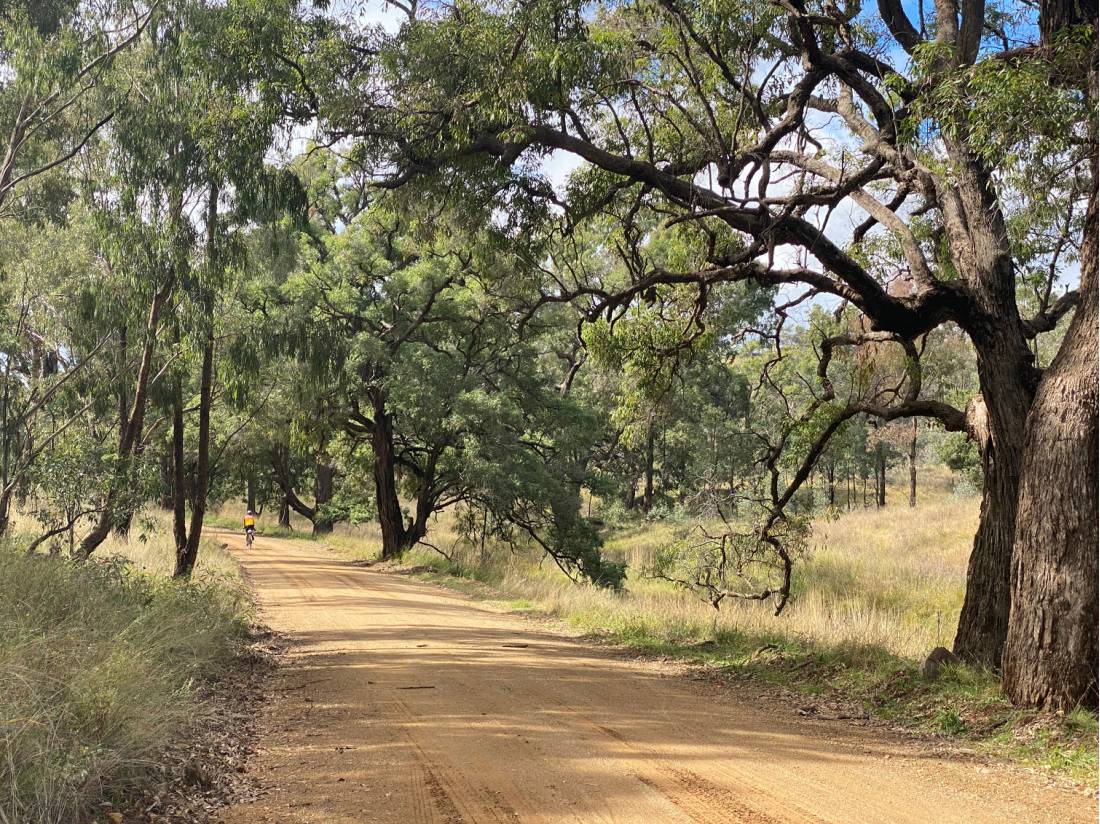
<point>402,702</point>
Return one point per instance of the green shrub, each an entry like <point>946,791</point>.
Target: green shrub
<point>99,666</point>
<point>949,721</point>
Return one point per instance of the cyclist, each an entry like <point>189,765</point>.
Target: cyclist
<point>249,527</point>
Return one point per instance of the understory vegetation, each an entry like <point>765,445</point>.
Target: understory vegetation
<point>104,665</point>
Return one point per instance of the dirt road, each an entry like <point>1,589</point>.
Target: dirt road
<point>401,702</point>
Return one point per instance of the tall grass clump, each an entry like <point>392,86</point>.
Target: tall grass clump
<point>100,664</point>
<point>888,579</point>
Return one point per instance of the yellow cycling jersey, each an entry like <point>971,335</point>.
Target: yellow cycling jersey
<point>249,521</point>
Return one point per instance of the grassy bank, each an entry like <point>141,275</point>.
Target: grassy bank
<point>102,665</point>
<point>878,591</point>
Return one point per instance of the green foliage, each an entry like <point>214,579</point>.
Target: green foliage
<point>424,332</point>
<point>959,454</point>
<point>949,722</point>
<point>1006,110</point>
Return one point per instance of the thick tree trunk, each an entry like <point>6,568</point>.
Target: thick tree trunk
<point>250,493</point>
<point>323,474</point>
<point>983,622</point>
<point>999,423</point>
<point>284,513</point>
<point>395,536</point>
<point>978,240</point>
<point>1056,15</point>
<point>425,499</point>
<point>831,474</point>
<point>418,526</point>
<point>1051,651</point>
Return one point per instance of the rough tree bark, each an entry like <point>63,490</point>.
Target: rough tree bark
<point>391,521</point>
<point>398,536</point>
<point>1012,418</point>
<point>323,475</point>
<point>1051,649</point>
<point>1050,658</point>
<point>1007,377</point>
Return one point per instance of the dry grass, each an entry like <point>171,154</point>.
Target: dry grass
<point>351,540</point>
<point>891,579</point>
<point>100,666</point>
<point>153,553</point>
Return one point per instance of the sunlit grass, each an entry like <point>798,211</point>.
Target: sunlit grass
<point>101,665</point>
<point>356,541</point>
<point>892,579</point>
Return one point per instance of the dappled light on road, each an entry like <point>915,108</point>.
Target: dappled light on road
<point>401,702</point>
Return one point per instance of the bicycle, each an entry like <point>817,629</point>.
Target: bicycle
<point>249,535</point>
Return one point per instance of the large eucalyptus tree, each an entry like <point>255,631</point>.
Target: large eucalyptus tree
<point>792,136</point>
<point>181,174</point>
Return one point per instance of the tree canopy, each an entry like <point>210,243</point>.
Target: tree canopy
<point>279,252</point>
